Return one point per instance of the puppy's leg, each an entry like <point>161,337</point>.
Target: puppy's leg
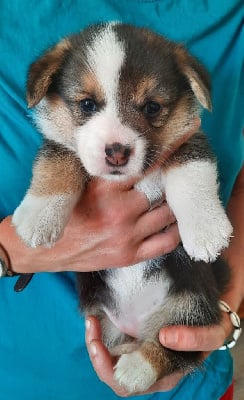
<point>56,186</point>
<point>191,189</point>
<point>140,369</point>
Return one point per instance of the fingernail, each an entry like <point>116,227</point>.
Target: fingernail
<point>88,324</point>
<point>93,349</point>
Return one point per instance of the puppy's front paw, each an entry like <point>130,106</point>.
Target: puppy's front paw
<point>134,372</point>
<point>192,193</point>
<point>204,238</point>
<point>41,220</point>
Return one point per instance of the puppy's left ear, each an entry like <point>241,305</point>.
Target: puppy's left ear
<point>42,71</point>
<point>197,77</point>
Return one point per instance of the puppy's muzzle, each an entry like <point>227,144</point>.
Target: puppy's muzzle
<point>117,154</point>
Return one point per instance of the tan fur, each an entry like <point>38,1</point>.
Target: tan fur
<point>154,353</point>
<point>41,72</point>
<point>61,174</point>
<point>178,124</point>
<point>88,87</point>
<point>143,89</point>
<point>91,87</point>
<point>60,115</point>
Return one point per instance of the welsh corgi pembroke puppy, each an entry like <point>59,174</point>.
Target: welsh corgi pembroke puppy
<point>111,101</point>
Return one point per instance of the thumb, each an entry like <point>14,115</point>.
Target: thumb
<point>184,338</point>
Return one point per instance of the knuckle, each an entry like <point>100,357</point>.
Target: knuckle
<point>172,218</point>
<point>141,254</point>
<point>167,213</point>
<point>170,244</point>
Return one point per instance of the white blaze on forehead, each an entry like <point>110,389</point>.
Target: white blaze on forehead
<point>105,58</point>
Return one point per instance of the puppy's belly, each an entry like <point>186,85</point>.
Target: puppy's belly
<point>136,297</point>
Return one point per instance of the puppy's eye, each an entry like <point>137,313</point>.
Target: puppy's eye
<point>88,106</point>
<point>151,108</point>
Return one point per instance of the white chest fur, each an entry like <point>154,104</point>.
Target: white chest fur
<point>136,296</point>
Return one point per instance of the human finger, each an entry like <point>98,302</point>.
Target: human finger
<point>159,244</point>
<point>103,363</point>
<point>154,221</point>
<point>185,338</point>
<point>100,357</point>
<point>103,198</point>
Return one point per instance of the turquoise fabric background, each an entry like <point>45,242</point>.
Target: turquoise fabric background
<point>42,351</point>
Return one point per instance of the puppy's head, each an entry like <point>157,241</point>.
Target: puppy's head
<point>118,96</point>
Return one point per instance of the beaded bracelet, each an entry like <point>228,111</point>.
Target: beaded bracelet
<point>236,322</point>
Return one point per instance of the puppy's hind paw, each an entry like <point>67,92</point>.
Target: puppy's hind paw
<point>134,372</point>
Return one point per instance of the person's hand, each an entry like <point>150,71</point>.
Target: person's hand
<point>204,339</point>
<point>110,227</point>
<point>103,363</point>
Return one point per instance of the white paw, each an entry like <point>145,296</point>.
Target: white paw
<point>134,372</point>
<point>192,194</point>
<point>204,238</point>
<point>41,220</point>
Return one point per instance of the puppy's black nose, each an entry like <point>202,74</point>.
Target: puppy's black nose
<point>117,154</point>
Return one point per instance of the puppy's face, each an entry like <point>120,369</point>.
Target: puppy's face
<point>118,96</point>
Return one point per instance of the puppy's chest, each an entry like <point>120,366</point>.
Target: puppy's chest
<point>136,295</point>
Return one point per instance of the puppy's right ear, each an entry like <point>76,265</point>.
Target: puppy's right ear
<point>42,71</point>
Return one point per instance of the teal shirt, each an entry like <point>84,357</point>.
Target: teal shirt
<point>42,350</point>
